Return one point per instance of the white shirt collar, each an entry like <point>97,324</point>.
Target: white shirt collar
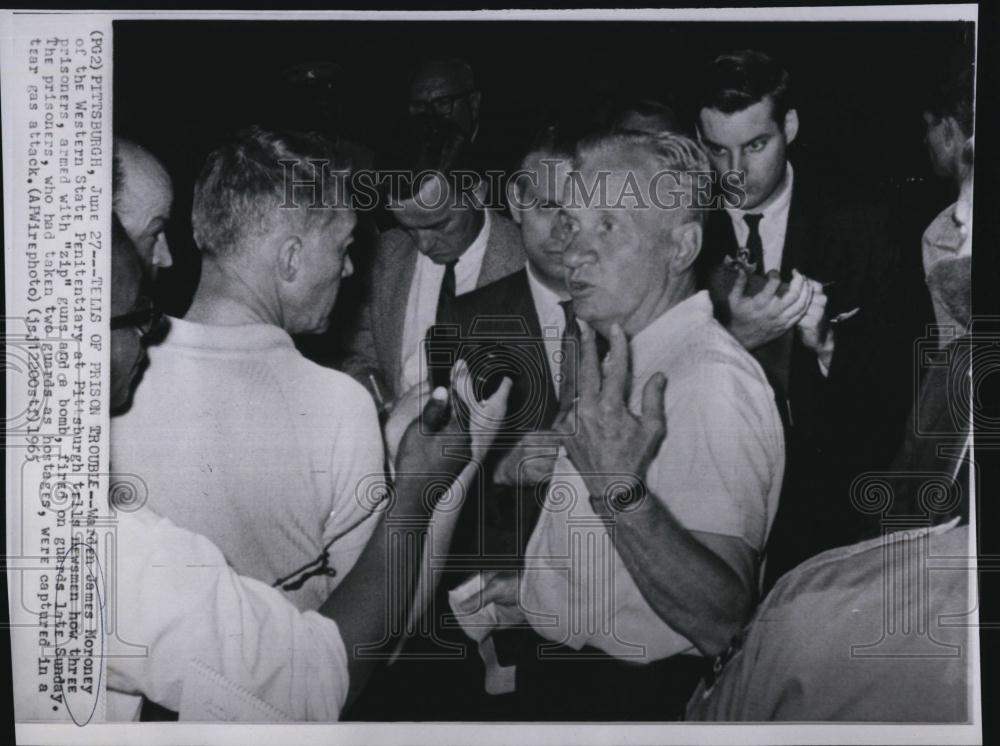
<point>471,261</point>
<point>667,330</point>
<point>547,303</point>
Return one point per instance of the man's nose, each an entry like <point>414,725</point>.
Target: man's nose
<point>735,161</point>
<point>348,268</point>
<point>161,253</point>
<point>577,253</point>
<point>425,241</point>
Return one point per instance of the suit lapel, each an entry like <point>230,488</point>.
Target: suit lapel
<point>795,252</point>
<point>395,286</point>
<point>504,251</point>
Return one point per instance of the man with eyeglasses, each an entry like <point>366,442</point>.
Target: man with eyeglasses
<point>223,646</point>
<point>446,89</point>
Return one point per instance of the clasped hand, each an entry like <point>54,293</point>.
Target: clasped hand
<point>434,442</point>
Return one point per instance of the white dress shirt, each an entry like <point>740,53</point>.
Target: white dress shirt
<point>219,646</point>
<point>773,224</point>
<point>235,435</point>
<point>422,302</point>
<point>552,320</point>
<point>718,470</point>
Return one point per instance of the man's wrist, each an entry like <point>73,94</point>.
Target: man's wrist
<point>621,496</point>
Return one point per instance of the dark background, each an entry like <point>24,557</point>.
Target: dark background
<point>175,96</point>
<point>180,87</point>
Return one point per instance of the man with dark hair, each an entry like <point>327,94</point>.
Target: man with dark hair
<point>948,119</point>
<point>446,243</point>
<point>870,632</point>
<point>498,327</point>
<point>804,279</point>
<point>948,116</point>
<point>647,115</point>
<point>231,416</point>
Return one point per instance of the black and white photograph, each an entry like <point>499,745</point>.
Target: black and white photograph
<point>514,370</point>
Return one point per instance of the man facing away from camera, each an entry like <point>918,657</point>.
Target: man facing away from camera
<point>948,118</point>
<point>235,434</point>
<point>632,581</point>
<point>192,635</point>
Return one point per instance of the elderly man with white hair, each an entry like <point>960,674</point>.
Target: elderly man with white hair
<point>644,562</point>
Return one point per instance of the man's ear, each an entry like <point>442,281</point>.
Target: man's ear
<point>289,258</point>
<point>514,201</point>
<point>791,125</point>
<point>475,98</point>
<point>687,238</point>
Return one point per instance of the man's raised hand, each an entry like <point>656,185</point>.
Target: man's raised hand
<point>604,440</point>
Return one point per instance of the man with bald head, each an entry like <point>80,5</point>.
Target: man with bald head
<point>644,562</point>
<point>143,196</point>
<point>235,433</point>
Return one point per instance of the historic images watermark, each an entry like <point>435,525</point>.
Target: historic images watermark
<point>317,184</point>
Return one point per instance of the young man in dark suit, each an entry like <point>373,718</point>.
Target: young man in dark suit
<point>805,280</point>
<point>517,326</point>
<point>510,327</point>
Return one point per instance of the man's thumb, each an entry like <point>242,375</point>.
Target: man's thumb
<point>437,411</point>
<point>739,284</point>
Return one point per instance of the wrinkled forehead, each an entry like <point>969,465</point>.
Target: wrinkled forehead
<point>619,177</point>
<point>148,188</point>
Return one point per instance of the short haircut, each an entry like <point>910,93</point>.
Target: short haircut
<point>455,67</point>
<point>951,95</point>
<point>649,108</point>
<point>425,144</point>
<point>737,80</point>
<point>665,151</point>
<point>243,186</point>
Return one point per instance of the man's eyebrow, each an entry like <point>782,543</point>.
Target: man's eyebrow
<point>761,136</point>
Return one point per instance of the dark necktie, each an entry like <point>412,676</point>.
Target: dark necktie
<point>755,247</point>
<point>570,351</point>
<point>447,294</point>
